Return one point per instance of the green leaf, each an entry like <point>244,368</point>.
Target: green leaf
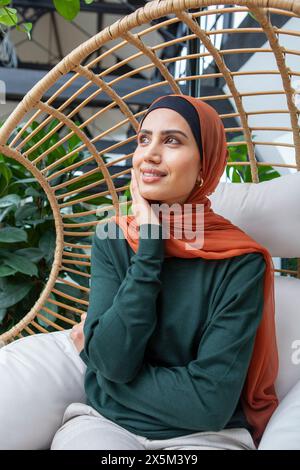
<point>6,211</point>
<point>13,292</point>
<point>34,254</point>
<point>55,154</point>
<point>4,2</point>
<point>240,173</point>
<point>35,222</point>
<point>32,192</point>
<point>35,139</point>
<point>53,124</point>
<point>47,244</point>
<point>12,235</point>
<point>24,181</point>
<point>88,2</point>
<point>9,200</point>
<point>73,142</point>
<point>25,212</point>
<point>5,176</point>
<point>21,264</point>
<point>2,314</point>
<point>236,177</point>
<point>69,9</point>
<point>6,270</point>
<point>8,16</point>
<point>266,173</point>
<point>25,28</point>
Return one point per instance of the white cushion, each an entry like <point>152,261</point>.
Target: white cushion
<point>40,376</point>
<point>283,429</point>
<point>268,211</point>
<point>287,315</point>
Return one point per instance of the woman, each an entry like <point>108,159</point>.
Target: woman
<point>179,338</point>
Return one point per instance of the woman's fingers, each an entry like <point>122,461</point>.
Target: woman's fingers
<point>133,193</point>
<point>76,332</point>
<point>140,206</point>
<point>132,184</point>
<point>78,328</point>
<point>77,336</point>
<point>135,187</point>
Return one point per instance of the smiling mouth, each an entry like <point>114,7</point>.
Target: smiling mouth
<point>152,173</point>
<point>151,177</point>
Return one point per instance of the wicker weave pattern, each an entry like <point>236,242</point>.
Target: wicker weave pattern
<point>142,45</point>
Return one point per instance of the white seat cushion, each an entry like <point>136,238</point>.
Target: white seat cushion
<point>287,317</point>
<point>283,429</point>
<point>268,211</point>
<point>40,376</point>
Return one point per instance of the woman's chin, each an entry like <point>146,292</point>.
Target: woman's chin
<point>150,195</point>
<point>152,200</point>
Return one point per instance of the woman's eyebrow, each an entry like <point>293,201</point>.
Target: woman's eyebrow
<point>169,131</point>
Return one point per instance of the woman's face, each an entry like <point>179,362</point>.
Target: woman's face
<point>175,154</point>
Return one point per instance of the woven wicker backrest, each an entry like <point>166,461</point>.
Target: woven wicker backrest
<point>73,180</point>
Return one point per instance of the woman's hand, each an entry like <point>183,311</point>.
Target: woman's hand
<point>77,334</point>
<point>143,212</point>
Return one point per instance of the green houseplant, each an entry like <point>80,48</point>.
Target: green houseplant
<point>27,231</point>
<point>9,17</point>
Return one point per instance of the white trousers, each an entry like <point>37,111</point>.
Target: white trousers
<point>43,405</point>
<point>86,429</point>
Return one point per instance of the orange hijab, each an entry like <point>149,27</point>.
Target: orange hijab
<point>222,240</point>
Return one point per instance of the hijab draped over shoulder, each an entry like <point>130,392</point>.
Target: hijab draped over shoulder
<point>222,240</point>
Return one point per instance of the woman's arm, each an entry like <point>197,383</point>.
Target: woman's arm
<point>203,395</point>
<point>122,315</point>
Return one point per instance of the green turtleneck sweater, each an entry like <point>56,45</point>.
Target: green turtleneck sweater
<point>168,340</point>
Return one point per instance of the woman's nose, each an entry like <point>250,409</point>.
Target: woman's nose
<point>152,156</point>
<point>152,152</point>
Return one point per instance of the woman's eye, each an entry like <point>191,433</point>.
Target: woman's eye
<point>172,138</point>
<point>169,138</point>
<point>141,138</point>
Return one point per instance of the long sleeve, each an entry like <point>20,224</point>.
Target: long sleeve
<point>203,394</point>
<point>122,314</point>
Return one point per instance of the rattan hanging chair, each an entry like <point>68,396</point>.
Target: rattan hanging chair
<point>72,182</point>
